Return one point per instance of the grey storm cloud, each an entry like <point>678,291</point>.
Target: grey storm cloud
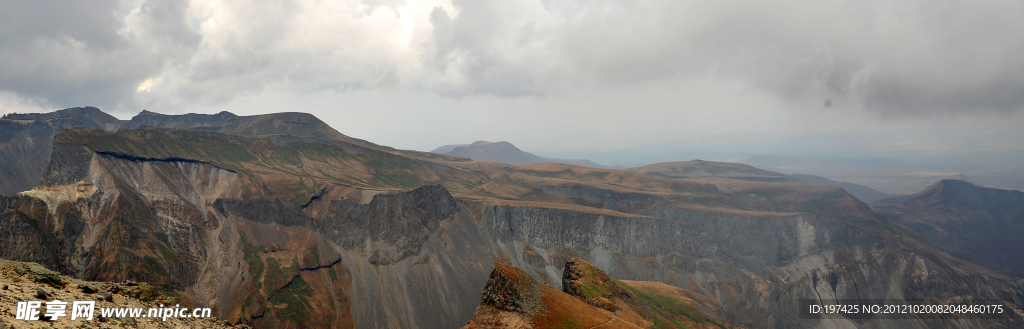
<point>893,58</point>
<point>287,46</point>
<point>71,53</point>
<point>896,58</point>
<point>493,49</point>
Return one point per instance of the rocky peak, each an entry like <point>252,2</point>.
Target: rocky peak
<point>157,119</point>
<point>579,273</point>
<point>591,298</point>
<point>584,280</point>
<point>512,289</point>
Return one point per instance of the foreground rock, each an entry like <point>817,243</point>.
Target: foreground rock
<point>37,283</point>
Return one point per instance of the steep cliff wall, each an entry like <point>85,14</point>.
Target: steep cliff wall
<point>409,259</point>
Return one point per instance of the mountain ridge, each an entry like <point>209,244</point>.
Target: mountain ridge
<point>26,139</point>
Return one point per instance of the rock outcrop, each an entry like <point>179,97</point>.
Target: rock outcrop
<point>590,298</point>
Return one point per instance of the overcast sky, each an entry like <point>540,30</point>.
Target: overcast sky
<point>809,77</point>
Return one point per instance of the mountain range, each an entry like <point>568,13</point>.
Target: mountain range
<point>279,221</point>
<point>26,139</point>
<point>906,175</point>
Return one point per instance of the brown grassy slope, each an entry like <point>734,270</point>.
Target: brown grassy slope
<point>703,169</point>
<point>533,183</point>
<point>647,304</point>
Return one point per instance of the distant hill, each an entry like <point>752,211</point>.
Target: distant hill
<point>984,225</point>
<point>704,169</point>
<point>505,152</point>
<point>861,192</point>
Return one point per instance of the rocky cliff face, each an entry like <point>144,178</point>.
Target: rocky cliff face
<point>392,227</point>
<point>190,226</point>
